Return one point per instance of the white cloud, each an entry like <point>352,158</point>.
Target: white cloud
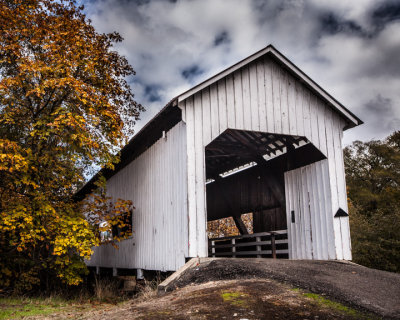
<point>163,38</point>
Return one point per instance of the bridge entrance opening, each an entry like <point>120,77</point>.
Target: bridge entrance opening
<point>246,203</point>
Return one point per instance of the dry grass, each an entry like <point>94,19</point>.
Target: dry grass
<point>149,290</point>
<point>109,289</point>
<point>106,289</point>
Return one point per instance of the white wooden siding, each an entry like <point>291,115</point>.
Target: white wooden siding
<point>156,183</point>
<point>308,194</point>
<point>263,96</point>
<point>271,51</point>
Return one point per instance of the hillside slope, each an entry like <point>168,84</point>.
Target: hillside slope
<point>357,286</point>
<point>265,289</point>
<point>233,299</point>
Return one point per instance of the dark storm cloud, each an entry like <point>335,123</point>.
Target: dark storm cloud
<point>151,93</point>
<point>268,12</point>
<point>332,24</point>
<point>386,63</point>
<point>380,113</point>
<point>222,38</point>
<point>191,72</point>
<point>270,9</point>
<point>385,13</point>
<point>137,2</point>
<point>377,18</point>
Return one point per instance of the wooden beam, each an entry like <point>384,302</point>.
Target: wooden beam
<point>264,208</point>
<point>225,155</point>
<point>304,155</point>
<point>228,148</point>
<point>235,134</point>
<point>240,225</point>
<point>278,189</point>
<point>213,169</point>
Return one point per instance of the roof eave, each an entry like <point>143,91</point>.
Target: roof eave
<point>89,186</point>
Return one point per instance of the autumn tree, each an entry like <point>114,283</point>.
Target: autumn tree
<point>65,107</point>
<point>373,180</point>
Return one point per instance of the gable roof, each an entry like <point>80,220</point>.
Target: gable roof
<point>170,114</point>
<point>270,51</point>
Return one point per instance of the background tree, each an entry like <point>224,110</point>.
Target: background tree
<point>373,180</point>
<point>65,107</point>
<point>226,227</point>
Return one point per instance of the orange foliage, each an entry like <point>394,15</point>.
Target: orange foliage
<point>65,107</point>
<point>226,227</point>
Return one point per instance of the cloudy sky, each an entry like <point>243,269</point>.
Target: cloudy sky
<point>350,48</point>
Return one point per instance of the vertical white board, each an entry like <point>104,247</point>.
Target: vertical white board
<point>160,218</point>
<point>306,195</point>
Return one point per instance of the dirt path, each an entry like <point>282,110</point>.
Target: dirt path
<point>363,288</point>
<point>232,299</point>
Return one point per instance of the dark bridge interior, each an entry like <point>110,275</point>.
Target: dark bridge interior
<point>245,173</point>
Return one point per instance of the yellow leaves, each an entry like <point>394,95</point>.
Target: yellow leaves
<point>75,234</point>
<point>65,102</point>
<point>10,157</point>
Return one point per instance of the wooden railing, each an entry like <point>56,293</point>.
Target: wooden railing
<point>264,244</point>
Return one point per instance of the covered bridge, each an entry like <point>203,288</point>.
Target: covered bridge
<point>259,137</point>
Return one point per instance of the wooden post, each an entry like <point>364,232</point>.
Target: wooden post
<point>258,239</point>
<point>273,246</point>
<point>233,241</point>
<point>139,274</point>
<point>213,249</point>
